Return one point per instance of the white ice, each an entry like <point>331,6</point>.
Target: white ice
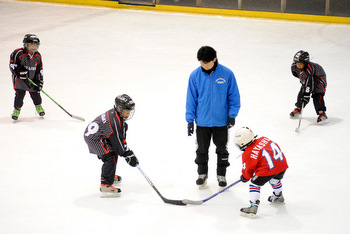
<point>49,183</point>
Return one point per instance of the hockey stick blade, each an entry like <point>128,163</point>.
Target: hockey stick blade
<point>200,202</point>
<point>165,200</point>
<point>174,202</point>
<point>78,117</point>
<point>73,116</point>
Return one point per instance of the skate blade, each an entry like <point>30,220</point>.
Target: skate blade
<point>249,215</point>
<point>323,122</point>
<point>108,195</point>
<point>202,185</point>
<point>294,117</point>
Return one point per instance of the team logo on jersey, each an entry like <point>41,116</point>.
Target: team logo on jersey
<point>220,81</point>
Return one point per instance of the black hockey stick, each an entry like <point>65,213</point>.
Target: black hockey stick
<point>200,202</point>
<point>174,202</point>
<point>73,116</point>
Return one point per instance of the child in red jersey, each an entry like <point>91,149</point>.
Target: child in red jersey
<point>263,161</point>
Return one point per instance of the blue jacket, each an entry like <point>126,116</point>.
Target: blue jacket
<point>212,99</point>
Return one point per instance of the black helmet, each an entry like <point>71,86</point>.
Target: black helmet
<point>124,102</point>
<point>301,57</point>
<point>30,39</point>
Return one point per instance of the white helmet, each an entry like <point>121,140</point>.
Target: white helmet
<point>243,137</point>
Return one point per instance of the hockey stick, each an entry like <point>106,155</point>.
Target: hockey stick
<point>173,202</point>
<point>73,116</point>
<point>300,116</point>
<point>200,202</point>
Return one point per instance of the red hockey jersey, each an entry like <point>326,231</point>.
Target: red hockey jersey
<point>263,158</point>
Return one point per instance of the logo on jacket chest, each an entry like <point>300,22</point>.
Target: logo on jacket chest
<point>220,81</point>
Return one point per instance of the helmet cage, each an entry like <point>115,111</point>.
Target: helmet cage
<point>31,39</point>
<point>301,57</point>
<point>124,104</point>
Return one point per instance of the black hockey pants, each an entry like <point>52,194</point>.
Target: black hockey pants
<point>20,96</point>
<point>109,166</point>
<point>318,100</point>
<point>220,137</point>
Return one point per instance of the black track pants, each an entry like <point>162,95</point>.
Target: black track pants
<point>220,137</point>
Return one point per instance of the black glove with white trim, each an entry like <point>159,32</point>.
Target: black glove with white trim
<point>130,158</point>
<point>23,74</point>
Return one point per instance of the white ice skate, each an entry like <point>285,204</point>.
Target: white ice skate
<point>250,211</point>
<point>108,190</point>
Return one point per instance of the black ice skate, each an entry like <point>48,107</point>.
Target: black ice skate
<point>202,180</point>
<point>276,198</point>
<point>252,210</point>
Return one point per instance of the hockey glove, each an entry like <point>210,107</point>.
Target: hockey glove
<point>305,100</point>
<point>130,158</point>
<point>39,86</point>
<point>231,122</point>
<point>244,180</point>
<point>190,129</point>
<point>23,74</point>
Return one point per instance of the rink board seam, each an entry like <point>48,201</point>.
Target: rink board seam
<point>206,11</point>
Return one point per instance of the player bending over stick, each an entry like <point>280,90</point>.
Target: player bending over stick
<point>105,137</point>
<point>262,162</point>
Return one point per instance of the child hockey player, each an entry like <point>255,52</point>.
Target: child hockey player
<point>262,162</point>
<point>313,82</point>
<point>105,137</point>
<point>26,63</point>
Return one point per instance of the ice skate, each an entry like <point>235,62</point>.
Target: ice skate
<point>276,198</point>
<point>108,190</point>
<point>252,210</point>
<point>15,113</point>
<point>295,113</point>
<point>40,110</point>
<point>117,179</point>
<point>222,181</point>
<point>202,180</point>
<point>322,118</point>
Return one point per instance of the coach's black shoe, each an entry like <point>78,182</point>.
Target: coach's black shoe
<point>202,180</point>
<point>222,181</point>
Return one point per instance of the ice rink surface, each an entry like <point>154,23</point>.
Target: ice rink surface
<point>49,182</point>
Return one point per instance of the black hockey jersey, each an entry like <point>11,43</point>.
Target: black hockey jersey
<point>107,133</point>
<point>20,60</point>
<point>312,78</point>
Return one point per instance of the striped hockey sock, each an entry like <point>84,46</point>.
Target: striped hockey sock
<point>254,192</point>
<point>276,186</point>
